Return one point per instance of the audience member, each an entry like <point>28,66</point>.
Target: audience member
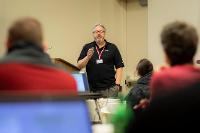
<point>140,90</point>
<point>174,90</point>
<point>179,41</point>
<point>26,67</point>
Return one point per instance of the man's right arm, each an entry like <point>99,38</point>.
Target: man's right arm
<point>83,62</point>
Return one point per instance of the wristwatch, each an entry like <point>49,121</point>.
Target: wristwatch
<point>117,84</point>
<point>120,87</point>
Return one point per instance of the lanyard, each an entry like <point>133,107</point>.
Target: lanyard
<point>100,53</point>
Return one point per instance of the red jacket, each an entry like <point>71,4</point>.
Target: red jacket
<point>28,69</point>
<point>173,78</point>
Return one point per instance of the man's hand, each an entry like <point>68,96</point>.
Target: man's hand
<point>83,62</point>
<point>90,52</point>
<point>144,103</point>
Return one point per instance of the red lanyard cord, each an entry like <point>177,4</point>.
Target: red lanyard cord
<point>100,52</point>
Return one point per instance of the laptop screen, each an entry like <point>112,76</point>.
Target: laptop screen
<point>82,81</point>
<point>69,116</point>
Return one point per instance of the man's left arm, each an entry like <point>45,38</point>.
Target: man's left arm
<point>118,75</point>
<point>119,68</point>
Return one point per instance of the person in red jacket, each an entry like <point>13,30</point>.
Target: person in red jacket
<point>179,41</point>
<point>26,68</point>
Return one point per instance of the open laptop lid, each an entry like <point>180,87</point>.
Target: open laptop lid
<point>43,114</point>
<point>82,81</point>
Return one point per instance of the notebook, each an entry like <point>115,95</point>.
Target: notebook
<point>82,81</point>
<point>44,115</point>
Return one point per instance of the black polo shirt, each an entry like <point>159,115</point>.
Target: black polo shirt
<point>102,75</point>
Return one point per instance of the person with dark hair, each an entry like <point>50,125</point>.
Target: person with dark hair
<point>26,68</point>
<point>141,89</point>
<point>179,41</point>
<point>174,99</point>
<point>103,62</point>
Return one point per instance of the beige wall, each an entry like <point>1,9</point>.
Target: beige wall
<point>136,35</point>
<point>68,23</point>
<point>161,12</point>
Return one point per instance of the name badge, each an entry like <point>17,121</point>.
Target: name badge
<point>99,61</point>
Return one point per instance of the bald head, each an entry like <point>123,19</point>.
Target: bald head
<point>26,29</point>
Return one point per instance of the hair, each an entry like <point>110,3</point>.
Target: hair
<point>93,29</point>
<point>144,67</point>
<point>27,30</point>
<point>179,41</point>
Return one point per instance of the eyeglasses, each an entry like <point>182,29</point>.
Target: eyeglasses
<point>100,31</point>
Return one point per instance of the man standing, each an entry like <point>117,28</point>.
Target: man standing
<point>26,68</point>
<point>103,64</point>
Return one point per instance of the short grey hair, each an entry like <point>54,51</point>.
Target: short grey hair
<point>93,29</point>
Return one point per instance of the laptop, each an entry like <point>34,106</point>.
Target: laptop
<point>41,114</point>
<point>83,86</point>
<point>82,81</point>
